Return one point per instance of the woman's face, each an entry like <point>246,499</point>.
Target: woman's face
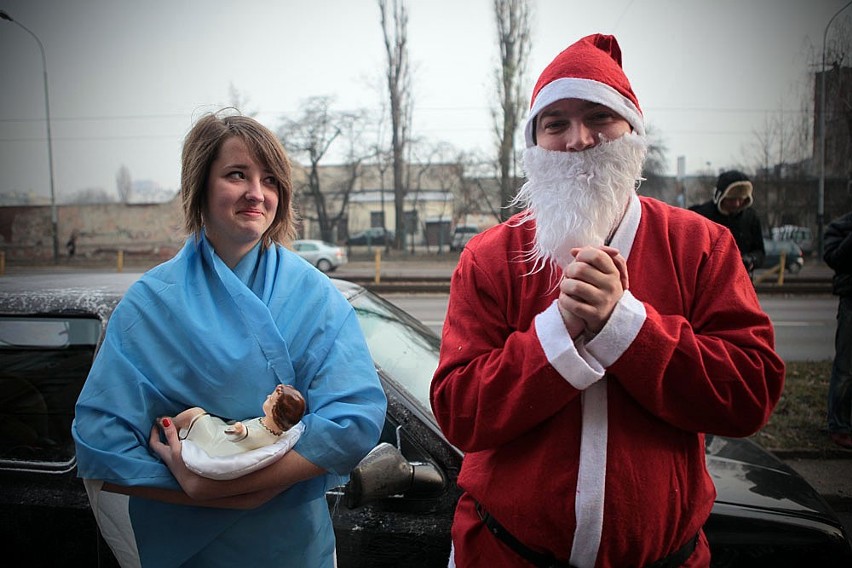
<point>242,198</point>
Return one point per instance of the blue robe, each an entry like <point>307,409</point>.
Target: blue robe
<point>192,332</point>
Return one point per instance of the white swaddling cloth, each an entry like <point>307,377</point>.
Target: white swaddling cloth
<point>209,453</point>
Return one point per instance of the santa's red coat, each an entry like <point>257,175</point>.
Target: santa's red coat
<point>688,351</point>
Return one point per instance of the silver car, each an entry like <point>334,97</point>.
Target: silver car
<point>325,256</point>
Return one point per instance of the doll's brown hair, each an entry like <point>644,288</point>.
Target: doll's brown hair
<point>289,408</point>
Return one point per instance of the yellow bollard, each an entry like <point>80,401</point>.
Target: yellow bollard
<point>120,266</point>
<point>378,277</point>
<point>781,268</point>
<point>2,262</point>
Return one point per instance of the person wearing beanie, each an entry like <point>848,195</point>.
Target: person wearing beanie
<point>731,207</point>
<point>838,255</point>
<point>590,342</point>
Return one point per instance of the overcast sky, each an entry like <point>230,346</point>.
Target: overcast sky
<point>127,77</point>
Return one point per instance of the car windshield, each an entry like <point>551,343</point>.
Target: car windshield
<point>403,348</point>
<point>43,365</point>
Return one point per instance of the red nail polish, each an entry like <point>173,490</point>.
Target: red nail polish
<point>166,422</point>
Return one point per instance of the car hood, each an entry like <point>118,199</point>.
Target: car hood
<point>748,476</point>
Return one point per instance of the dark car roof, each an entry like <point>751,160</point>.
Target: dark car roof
<point>95,293</point>
<point>59,292</point>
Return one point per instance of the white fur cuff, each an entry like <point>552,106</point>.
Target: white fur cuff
<point>561,352</point>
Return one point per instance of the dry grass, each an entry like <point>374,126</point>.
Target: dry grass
<point>798,422</point>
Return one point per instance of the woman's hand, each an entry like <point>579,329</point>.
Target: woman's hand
<point>244,492</point>
<point>170,452</point>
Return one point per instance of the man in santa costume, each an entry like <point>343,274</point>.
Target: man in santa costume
<point>589,344</point>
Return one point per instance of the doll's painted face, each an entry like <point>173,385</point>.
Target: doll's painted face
<point>271,399</point>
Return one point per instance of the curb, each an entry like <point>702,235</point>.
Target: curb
<point>810,454</point>
<point>415,285</point>
<point>795,288</point>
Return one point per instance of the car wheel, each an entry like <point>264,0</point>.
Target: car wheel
<point>794,268</point>
<point>324,265</point>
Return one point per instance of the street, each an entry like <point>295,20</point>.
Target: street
<point>804,325</point>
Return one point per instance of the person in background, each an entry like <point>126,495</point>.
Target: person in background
<point>590,342</point>
<point>731,206</point>
<point>230,317</point>
<point>838,255</point>
<point>71,245</point>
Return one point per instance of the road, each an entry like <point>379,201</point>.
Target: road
<point>804,325</point>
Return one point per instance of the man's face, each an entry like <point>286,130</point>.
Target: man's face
<point>731,205</point>
<point>574,125</point>
<point>577,198</point>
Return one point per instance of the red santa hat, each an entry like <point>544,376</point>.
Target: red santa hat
<point>589,69</point>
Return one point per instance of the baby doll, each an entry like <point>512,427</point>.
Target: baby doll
<point>282,410</point>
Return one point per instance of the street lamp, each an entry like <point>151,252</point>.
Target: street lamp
<point>821,201</point>
<point>8,18</point>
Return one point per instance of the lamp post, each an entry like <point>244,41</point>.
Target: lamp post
<point>53,220</point>
<point>821,201</point>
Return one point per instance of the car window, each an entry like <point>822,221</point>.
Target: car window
<point>402,347</point>
<point>43,365</point>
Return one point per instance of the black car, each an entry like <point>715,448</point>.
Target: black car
<point>375,236</point>
<point>396,509</point>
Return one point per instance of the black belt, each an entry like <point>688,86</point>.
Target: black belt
<point>545,560</point>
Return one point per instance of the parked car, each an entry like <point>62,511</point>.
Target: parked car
<point>461,235</point>
<point>325,256</point>
<point>802,236</point>
<point>794,257</point>
<point>396,509</point>
<point>371,236</point>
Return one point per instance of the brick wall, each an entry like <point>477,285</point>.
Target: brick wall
<point>149,230</point>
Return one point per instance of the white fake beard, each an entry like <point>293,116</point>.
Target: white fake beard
<point>578,198</point>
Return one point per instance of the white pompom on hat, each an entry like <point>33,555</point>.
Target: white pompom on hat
<point>589,69</point>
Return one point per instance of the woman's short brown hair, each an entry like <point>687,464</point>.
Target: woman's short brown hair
<point>201,147</point>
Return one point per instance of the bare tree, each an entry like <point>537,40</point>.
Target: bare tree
<point>91,195</point>
<point>769,149</point>
<point>124,184</point>
<point>513,37</point>
<point>311,135</point>
<point>395,31</point>
<point>784,151</point>
<point>654,182</point>
<point>239,101</point>
<point>838,101</point>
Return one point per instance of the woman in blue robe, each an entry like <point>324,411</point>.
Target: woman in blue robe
<point>231,316</point>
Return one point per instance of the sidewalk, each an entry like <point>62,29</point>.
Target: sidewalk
<point>814,278</point>
<point>832,478</point>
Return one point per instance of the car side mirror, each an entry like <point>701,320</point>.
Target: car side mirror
<point>385,472</point>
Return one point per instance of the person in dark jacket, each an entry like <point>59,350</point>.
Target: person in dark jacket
<point>838,255</point>
<point>731,207</point>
